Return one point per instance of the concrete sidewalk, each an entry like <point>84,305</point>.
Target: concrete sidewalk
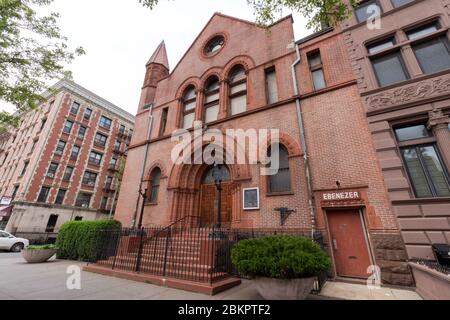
<point>19,280</point>
<point>351,291</point>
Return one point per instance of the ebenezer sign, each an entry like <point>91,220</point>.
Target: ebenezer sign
<point>341,196</point>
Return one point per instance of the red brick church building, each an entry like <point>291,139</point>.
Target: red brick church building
<point>237,75</point>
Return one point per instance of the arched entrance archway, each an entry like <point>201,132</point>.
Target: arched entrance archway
<point>209,198</point>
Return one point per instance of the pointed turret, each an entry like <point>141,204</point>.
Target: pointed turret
<point>157,69</point>
<point>160,56</point>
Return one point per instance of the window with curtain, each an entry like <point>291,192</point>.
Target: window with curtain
<point>426,171</point>
<point>68,174</point>
<point>189,104</point>
<point>43,194</point>
<point>212,100</point>
<point>60,197</point>
<point>316,69</point>
<point>68,126</point>
<point>155,179</point>
<point>83,200</point>
<point>52,170</point>
<point>75,107</point>
<point>280,182</point>
<point>271,85</point>
<point>424,165</point>
<point>238,90</point>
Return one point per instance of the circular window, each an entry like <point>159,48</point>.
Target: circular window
<point>214,45</point>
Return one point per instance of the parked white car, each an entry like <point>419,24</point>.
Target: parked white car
<point>11,243</point>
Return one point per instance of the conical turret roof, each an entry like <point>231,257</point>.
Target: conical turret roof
<point>160,56</point>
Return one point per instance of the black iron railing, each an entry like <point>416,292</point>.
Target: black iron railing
<point>432,264</point>
<point>180,250</point>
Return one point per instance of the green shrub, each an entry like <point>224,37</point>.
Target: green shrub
<point>80,240</point>
<point>43,247</point>
<point>280,257</point>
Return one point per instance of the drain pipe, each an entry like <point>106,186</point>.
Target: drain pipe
<point>147,146</point>
<point>303,139</point>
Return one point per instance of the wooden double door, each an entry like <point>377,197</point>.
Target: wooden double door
<point>349,242</point>
<point>209,205</point>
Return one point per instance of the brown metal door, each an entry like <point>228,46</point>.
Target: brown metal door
<point>208,205</point>
<point>351,255</point>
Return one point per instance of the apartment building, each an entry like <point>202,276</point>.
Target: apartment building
<point>403,74</point>
<point>63,161</point>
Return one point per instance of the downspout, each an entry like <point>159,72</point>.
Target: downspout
<point>303,140</point>
<point>147,146</point>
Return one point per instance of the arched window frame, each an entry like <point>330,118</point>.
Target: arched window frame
<point>237,89</point>
<point>284,171</point>
<point>207,175</point>
<point>154,185</point>
<point>191,102</point>
<point>212,99</point>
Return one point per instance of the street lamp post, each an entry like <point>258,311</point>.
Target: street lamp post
<point>218,177</point>
<point>144,197</point>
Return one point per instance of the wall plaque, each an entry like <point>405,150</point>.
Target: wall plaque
<point>251,198</point>
<point>6,201</point>
<point>341,196</point>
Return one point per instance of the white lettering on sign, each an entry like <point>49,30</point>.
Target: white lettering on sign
<point>352,195</point>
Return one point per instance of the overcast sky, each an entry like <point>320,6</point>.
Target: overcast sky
<point>119,37</point>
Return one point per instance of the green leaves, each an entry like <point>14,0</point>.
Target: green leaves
<point>319,13</point>
<point>280,257</point>
<point>32,52</point>
<point>83,240</point>
<point>43,247</point>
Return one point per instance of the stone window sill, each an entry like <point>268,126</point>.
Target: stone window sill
<point>280,194</point>
<point>151,204</point>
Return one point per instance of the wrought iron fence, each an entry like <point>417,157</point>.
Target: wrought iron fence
<point>181,252</point>
<point>433,265</point>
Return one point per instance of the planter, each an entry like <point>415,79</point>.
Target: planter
<point>278,289</point>
<point>38,256</point>
<point>431,284</point>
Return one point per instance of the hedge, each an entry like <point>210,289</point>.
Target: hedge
<point>280,257</point>
<point>81,240</point>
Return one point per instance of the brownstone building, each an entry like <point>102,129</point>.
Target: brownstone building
<point>403,75</point>
<point>60,164</point>
<point>237,75</point>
